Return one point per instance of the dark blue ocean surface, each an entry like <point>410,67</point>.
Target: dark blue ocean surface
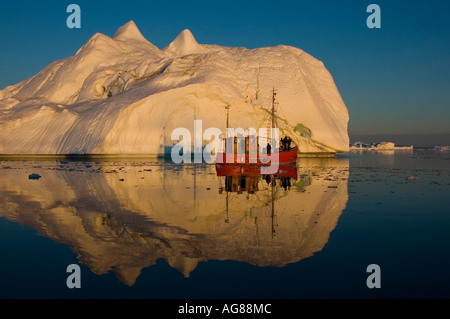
<point>142,228</point>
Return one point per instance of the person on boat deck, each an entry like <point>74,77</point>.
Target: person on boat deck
<point>286,144</point>
<point>268,148</point>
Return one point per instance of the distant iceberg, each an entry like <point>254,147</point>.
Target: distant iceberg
<point>441,148</point>
<point>381,146</point>
<point>384,146</point>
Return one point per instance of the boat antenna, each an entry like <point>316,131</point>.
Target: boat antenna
<point>274,93</point>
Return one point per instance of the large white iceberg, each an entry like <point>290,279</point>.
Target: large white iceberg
<point>123,95</point>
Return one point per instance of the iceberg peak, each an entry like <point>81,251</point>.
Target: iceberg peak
<point>184,44</point>
<point>129,31</point>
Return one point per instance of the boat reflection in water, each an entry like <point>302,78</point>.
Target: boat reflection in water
<point>122,216</point>
<point>239,175</point>
<point>241,178</point>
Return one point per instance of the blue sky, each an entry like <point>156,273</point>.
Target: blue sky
<point>394,80</point>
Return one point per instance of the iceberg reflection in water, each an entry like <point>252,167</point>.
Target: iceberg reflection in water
<point>123,215</point>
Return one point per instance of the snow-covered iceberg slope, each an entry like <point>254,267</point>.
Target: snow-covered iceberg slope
<point>123,95</point>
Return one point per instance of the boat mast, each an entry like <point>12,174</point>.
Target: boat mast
<point>272,184</point>
<point>274,93</point>
<point>227,107</point>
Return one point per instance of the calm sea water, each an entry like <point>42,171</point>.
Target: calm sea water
<point>143,228</point>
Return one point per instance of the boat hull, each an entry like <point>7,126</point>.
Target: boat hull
<point>282,158</point>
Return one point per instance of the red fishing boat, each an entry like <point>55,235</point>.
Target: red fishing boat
<point>250,150</point>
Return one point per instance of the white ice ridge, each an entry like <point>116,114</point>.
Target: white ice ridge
<point>123,95</point>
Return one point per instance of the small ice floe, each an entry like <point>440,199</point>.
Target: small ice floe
<point>445,148</point>
<point>34,176</point>
<point>412,178</point>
